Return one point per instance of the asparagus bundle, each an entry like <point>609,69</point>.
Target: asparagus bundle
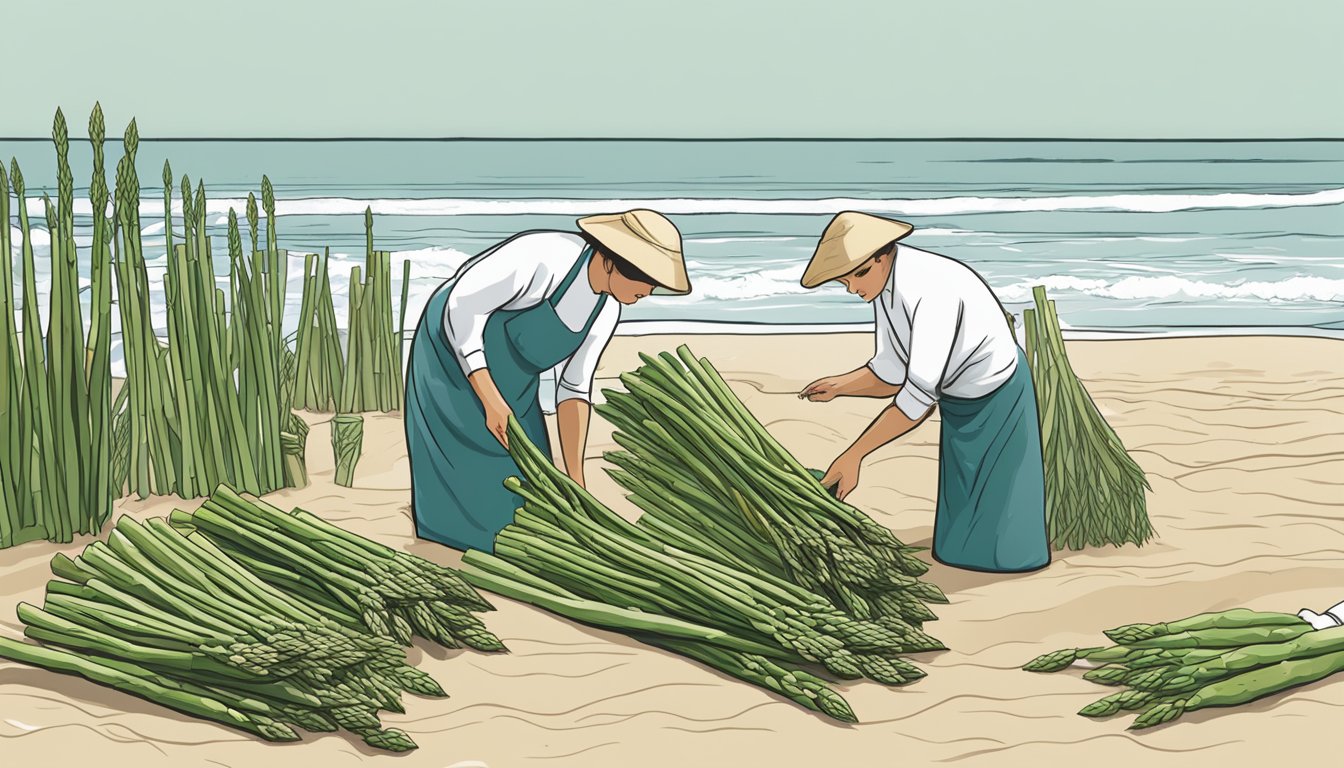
<point>711,479</point>
<point>55,389</point>
<point>712,647</point>
<point>175,620</point>
<point>357,583</point>
<point>347,443</point>
<point>565,543</point>
<point>1094,491</point>
<point>1209,660</point>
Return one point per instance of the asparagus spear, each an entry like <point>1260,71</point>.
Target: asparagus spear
<point>1238,618</point>
<point>192,704</point>
<point>1246,687</point>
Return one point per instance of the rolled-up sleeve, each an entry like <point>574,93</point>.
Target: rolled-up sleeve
<point>575,381</point>
<point>886,364</point>
<point>495,282</point>
<point>933,332</point>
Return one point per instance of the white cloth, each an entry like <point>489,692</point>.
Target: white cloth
<point>940,331</point>
<point>523,272</point>
<point>1334,617</point>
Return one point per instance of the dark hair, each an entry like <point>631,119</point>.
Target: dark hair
<point>628,271</point>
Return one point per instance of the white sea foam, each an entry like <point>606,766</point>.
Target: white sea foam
<point>1141,203</point>
<point>1137,288</point>
<point>36,235</point>
<point>725,240</point>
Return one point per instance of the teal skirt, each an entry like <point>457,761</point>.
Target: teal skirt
<point>991,481</point>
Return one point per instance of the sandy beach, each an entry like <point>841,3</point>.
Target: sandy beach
<point>1242,440</point>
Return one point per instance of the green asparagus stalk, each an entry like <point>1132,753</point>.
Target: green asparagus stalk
<point>1246,687</point>
<point>1238,618</point>
<point>195,705</point>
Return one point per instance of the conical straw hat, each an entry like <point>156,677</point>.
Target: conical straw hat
<point>647,240</point>
<point>849,240</point>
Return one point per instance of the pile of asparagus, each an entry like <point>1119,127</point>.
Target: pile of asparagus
<point>1210,660</point>
<point>1094,491</point>
<point>357,583</point>
<point>252,617</point>
<point>175,620</point>
<point>711,480</point>
<point>570,554</point>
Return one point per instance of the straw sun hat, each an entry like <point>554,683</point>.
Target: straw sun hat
<point>647,240</point>
<point>849,240</point>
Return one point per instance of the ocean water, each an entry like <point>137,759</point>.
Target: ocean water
<point>1151,237</point>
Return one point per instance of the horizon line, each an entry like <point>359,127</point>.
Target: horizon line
<point>671,139</point>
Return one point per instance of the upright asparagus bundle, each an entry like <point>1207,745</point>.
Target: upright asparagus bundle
<point>1209,660</point>
<point>347,443</point>
<point>355,582</point>
<point>1094,491</point>
<point>710,478</point>
<point>175,620</point>
<point>566,550</point>
<point>213,405</point>
<point>55,388</point>
<point>319,365</point>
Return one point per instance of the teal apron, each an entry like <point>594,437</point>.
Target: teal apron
<point>458,468</point>
<point>991,483</point>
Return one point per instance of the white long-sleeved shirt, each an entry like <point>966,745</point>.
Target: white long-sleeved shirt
<point>521,273</point>
<point>940,331</point>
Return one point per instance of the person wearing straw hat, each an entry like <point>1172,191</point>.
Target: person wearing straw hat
<point>942,338</point>
<point>540,301</point>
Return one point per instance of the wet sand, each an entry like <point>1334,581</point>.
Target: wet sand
<point>1243,442</point>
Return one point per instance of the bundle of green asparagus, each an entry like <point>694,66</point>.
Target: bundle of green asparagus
<point>569,553</point>
<point>174,620</point>
<point>357,583</point>
<point>1210,660</point>
<point>1094,491</point>
<point>713,481</point>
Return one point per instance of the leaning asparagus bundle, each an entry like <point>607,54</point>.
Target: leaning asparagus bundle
<point>1209,660</point>
<point>173,619</point>
<point>1094,491</point>
<point>564,541</point>
<point>710,478</point>
<point>355,582</point>
<point>713,647</point>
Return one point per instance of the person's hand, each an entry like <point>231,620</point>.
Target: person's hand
<point>497,415</point>
<point>821,390</point>
<point>843,476</point>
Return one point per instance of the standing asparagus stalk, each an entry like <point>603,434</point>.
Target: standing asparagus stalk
<point>11,382</point>
<point>101,489</point>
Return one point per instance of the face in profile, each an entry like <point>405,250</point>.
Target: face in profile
<point>624,288</point>
<point>869,279</point>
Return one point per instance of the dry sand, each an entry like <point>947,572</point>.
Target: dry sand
<point>1243,440</point>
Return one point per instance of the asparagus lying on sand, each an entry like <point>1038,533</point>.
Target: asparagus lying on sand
<point>1210,660</point>
<point>711,479</point>
<point>568,553</point>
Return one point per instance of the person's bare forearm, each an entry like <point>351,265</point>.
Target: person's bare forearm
<point>496,409</point>
<point>890,424</point>
<point>863,382</point>
<point>483,384</point>
<point>572,417</point>
<point>866,384</point>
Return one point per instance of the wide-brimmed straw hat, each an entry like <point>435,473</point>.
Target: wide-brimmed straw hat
<point>849,240</point>
<point>646,239</point>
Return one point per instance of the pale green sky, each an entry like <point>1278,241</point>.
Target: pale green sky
<point>678,68</point>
